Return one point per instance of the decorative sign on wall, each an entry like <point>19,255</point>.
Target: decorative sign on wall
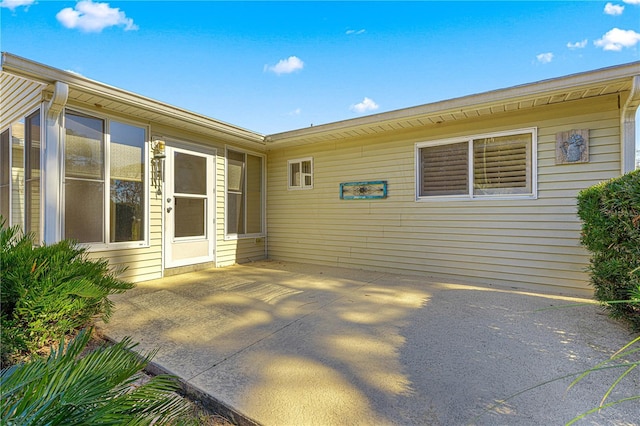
<point>572,146</point>
<point>363,190</point>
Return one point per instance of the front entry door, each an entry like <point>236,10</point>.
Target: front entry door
<point>189,207</point>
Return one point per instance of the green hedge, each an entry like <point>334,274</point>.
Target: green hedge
<point>48,291</point>
<point>610,212</point>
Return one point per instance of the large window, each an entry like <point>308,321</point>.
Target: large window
<point>20,173</point>
<point>495,165</point>
<point>32,174</point>
<point>244,211</point>
<point>104,186</point>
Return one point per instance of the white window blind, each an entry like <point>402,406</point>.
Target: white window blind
<point>501,165</point>
<point>444,169</point>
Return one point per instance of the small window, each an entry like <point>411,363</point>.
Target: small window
<point>301,173</point>
<point>496,165</point>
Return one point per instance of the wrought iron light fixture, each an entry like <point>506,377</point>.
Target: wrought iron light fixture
<point>157,164</point>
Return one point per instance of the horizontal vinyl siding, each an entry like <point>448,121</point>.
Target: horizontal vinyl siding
<point>521,243</point>
<point>17,97</point>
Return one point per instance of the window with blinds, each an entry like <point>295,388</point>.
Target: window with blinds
<point>444,169</point>
<point>475,167</point>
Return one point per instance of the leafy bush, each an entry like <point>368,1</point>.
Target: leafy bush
<point>99,388</point>
<point>610,212</point>
<point>49,291</point>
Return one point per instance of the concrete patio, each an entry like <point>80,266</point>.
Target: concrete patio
<point>295,344</point>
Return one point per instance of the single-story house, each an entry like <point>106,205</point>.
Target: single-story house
<point>480,189</point>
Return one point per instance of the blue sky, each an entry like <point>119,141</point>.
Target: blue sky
<point>277,66</point>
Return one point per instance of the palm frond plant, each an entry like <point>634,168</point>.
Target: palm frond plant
<point>99,388</point>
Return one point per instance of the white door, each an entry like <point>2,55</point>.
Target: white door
<point>189,207</point>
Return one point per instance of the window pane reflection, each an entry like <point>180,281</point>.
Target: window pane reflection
<point>32,174</point>
<point>84,148</point>
<point>126,158</point>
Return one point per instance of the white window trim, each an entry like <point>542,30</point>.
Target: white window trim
<point>302,186</point>
<point>106,245</point>
<point>263,200</point>
<point>469,140</point>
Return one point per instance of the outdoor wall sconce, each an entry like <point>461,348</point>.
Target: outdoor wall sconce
<point>157,164</point>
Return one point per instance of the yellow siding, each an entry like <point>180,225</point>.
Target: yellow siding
<point>17,96</point>
<point>522,243</point>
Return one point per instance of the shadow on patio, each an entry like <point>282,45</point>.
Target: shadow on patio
<point>294,344</point>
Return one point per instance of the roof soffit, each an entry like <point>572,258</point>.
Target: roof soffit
<point>564,89</point>
<point>108,98</point>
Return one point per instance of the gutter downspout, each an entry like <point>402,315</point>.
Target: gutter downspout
<point>52,173</point>
<point>628,128</point>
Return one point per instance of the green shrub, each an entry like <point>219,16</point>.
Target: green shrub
<point>610,212</point>
<point>99,388</point>
<point>49,291</point>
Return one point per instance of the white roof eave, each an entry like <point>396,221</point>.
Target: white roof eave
<point>38,72</point>
<point>487,100</point>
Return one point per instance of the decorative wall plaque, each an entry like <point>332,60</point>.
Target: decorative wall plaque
<point>363,190</point>
<point>572,147</point>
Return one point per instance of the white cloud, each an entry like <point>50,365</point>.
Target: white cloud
<point>613,9</point>
<point>631,1</point>
<point>366,105</point>
<point>13,4</point>
<point>286,66</point>
<point>295,112</point>
<point>350,32</point>
<point>94,17</point>
<point>616,39</point>
<point>578,44</point>
<point>545,58</point>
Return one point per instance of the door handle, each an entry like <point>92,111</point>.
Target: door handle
<point>169,209</point>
